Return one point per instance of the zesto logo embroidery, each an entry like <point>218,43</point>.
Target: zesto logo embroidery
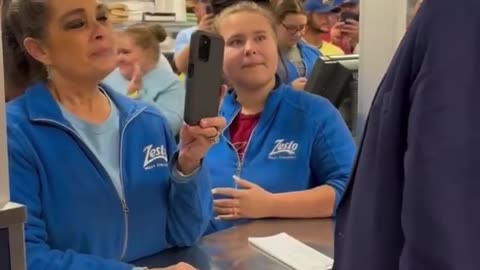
<point>283,150</point>
<point>155,157</point>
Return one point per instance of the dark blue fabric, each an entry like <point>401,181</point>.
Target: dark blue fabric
<point>413,199</point>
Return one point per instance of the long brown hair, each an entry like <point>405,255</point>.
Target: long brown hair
<point>22,19</point>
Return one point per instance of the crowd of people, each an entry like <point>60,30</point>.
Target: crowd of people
<point>91,135</point>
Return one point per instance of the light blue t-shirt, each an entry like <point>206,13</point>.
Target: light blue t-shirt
<point>103,140</point>
<point>183,38</point>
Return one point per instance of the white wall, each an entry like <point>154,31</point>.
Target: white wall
<point>4,189</point>
<point>382,25</point>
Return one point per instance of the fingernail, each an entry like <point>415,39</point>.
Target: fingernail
<point>214,191</point>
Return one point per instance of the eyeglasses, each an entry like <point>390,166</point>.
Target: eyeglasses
<point>293,29</point>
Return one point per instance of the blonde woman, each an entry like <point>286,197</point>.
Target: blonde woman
<point>289,151</point>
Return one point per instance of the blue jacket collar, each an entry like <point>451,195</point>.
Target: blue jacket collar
<point>41,105</point>
<point>230,106</point>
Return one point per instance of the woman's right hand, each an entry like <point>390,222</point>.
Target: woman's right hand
<point>179,266</point>
<point>299,84</point>
<point>206,23</point>
<point>136,81</point>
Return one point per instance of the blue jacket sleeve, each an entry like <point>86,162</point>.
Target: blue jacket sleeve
<point>333,152</point>
<point>190,203</point>
<point>26,189</point>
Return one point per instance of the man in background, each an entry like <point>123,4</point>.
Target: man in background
<point>345,32</point>
<point>321,16</point>
<point>352,6</point>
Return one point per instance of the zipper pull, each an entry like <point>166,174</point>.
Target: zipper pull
<point>124,207</point>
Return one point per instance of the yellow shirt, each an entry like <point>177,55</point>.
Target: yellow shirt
<point>329,49</point>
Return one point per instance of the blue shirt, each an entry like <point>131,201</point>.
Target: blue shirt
<point>161,88</point>
<point>103,140</point>
<point>183,38</point>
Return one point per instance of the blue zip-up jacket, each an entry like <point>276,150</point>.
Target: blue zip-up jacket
<point>287,70</point>
<point>300,142</point>
<point>75,212</point>
<point>413,200</point>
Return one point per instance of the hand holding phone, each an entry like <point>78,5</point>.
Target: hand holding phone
<point>346,15</point>
<point>206,23</point>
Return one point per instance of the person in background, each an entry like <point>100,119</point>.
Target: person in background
<point>161,34</point>
<point>345,34</point>
<point>352,6</point>
<point>290,152</point>
<point>412,201</point>
<point>298,57</point>
<point>99,174</point>
<point>140,75</point>
<point>182,41</point>
<point>322,15</point>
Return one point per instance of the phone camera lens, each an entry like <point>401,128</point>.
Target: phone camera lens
<point>204,50</point>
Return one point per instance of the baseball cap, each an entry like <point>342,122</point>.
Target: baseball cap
<point>321,6</point>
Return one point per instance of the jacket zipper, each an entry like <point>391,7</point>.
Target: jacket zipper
<point>238,170</point>
<point>123,201</point>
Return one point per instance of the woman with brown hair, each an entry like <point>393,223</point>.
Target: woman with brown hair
<point>297,57</point>
<point>99,174</point>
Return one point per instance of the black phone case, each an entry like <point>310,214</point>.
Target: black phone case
<point>204,79</point>
<point>344,16</point>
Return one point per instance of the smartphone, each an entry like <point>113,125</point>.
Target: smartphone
<point>204,77</point>
<point>344,16</point>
